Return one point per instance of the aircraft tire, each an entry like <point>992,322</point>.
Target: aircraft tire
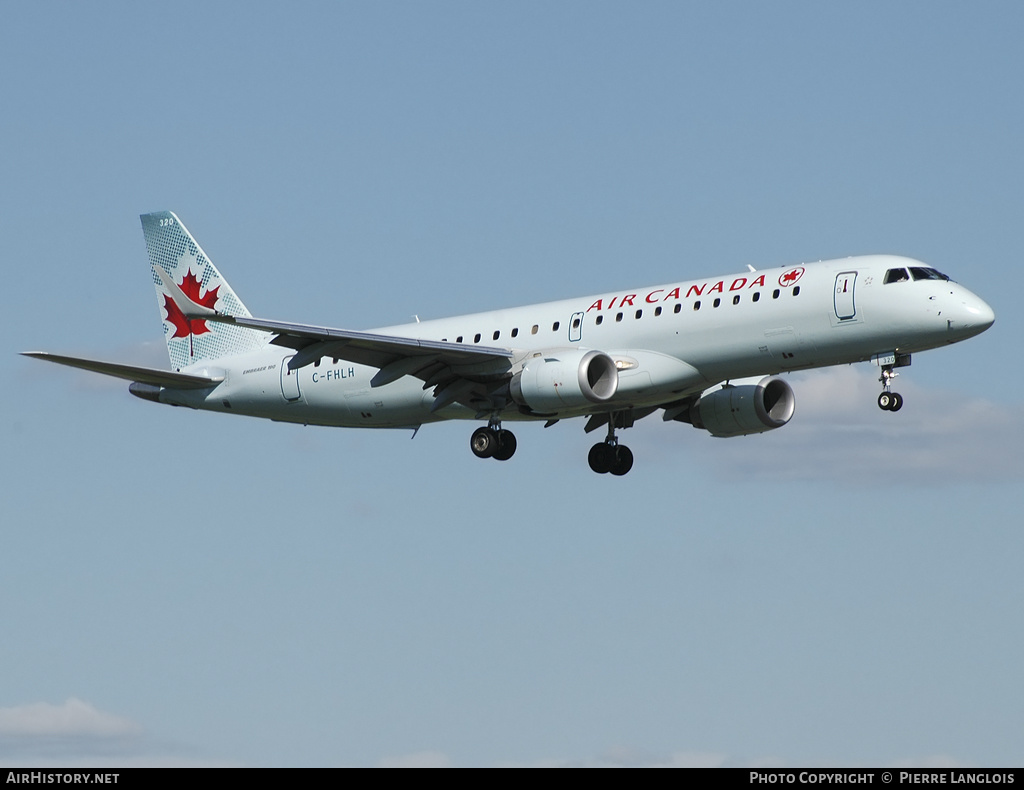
<point>506,445</point>
<point>483,442</point>
<point>623,460</point>
<point>601,457</point>
<point>897,402</point>
<point>885,401</point>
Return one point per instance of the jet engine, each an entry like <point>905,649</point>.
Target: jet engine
<point>560,380</point>
<point>746,409</point>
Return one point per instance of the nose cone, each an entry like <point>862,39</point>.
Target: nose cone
<point>974,315</point>
<point>981,315</point>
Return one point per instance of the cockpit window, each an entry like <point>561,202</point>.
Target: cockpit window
<point>896,276</point>
<point>922,273</point>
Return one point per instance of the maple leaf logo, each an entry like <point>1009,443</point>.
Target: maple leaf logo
<point>191,287</point>
<point>790,277</point>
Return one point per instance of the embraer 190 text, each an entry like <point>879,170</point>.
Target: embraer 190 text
<point>682,349</point>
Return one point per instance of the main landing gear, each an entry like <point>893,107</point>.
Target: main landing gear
<point>888,400</point>
<point>493,442</point>
<point>609,455</point>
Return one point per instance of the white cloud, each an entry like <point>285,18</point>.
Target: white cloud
<point>73,718</point>
<point>113,760</point>
<point>624,757</point>
<point>694,760</point>
<point>425,759</point>
<point>628,758</point>
<point>839,433</point>
<point>621,757</point>
<point>75,733</point>
<point>931,761</point>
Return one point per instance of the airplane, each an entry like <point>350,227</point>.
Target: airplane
<point>705,352</point>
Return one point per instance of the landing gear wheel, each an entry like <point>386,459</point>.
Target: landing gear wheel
<point>609,455</point>
<point>601,458</point>
<point>484,442</point>
<point>506,445</point>
<point>890,401</point>
<point>623,460</point>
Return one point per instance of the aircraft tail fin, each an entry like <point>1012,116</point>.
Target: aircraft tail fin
<point>172,249</point>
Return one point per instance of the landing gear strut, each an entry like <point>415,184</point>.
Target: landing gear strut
<point>493,442</point>
<point>889,400</point>
<point>609,455</point>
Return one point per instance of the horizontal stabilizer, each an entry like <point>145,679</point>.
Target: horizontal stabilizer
<point>159,378</point>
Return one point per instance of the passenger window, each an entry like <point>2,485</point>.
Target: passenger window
<point>458,339</point>
<point>896,276</point>
<point>796,290</point>
<point>554,327</point>
<point>476,338</point>
<point>775,294</point>
<point>716,302</point>
<point>639,313</point>
<point>657,311</point>
<point>496,333</point>
<point>696,305</point>
<point>618,316</point>
<point>576,323</point>
<point>534,330</point>
<point>756,297</point>
<point>599,320</point>
<point>515,332</point>
<point>736,299</point>
<point>679,307</point>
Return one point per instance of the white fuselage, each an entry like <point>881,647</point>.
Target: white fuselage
<point>668,341</point>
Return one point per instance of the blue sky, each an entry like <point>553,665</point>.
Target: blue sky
<point>185,588</point>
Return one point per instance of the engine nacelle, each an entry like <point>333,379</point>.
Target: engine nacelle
<point>561,380</point>
<point>747,409</point>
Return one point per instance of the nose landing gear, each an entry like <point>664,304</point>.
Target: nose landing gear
<point>889,400</point>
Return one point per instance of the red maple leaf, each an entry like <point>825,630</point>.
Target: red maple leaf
<point>791,276</point>
<point>190,286</point>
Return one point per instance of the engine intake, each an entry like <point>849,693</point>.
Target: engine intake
<point>565,380</point>
<point>747,409</point>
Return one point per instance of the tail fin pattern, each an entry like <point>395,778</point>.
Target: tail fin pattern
<point>172,248</point>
